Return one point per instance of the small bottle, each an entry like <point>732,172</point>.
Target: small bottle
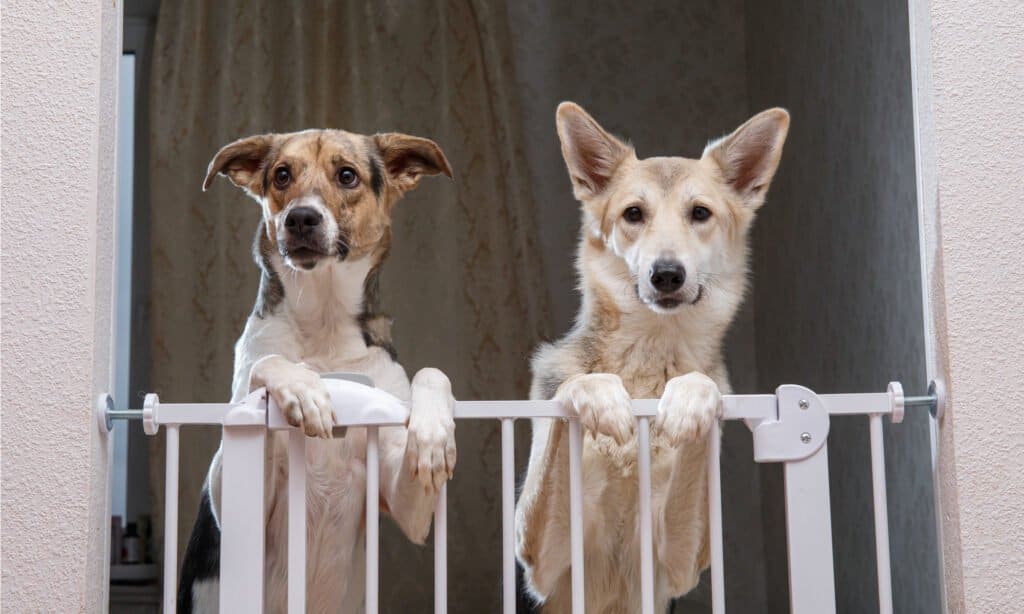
<point>131,545</point>
<point>116,531</point>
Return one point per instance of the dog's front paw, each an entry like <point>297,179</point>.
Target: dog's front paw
<point>601,402</point>
<point>430,442</point>
<point>299,393</point>
<point>688,407</point>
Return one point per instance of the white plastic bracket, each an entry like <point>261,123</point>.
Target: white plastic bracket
<point>359,378</point>
<point>897,401</point>
<point>149,419</point>
<point>356,403</point>
<point>799,430</point>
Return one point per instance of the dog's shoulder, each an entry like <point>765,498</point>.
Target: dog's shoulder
<point>555,362</point>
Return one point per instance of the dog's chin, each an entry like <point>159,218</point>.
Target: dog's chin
<point>671,303</point>
<point>664,305</point>
<point>303,258</point>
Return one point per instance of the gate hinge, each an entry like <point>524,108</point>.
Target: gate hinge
<point>799,430</point>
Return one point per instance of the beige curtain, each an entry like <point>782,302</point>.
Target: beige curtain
<point>464,278</point>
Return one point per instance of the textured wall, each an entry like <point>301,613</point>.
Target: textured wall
<point>59,82</point>
<point>837,273</point>
<point>973,112</point>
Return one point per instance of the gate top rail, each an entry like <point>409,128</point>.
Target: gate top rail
<point>357,404</point>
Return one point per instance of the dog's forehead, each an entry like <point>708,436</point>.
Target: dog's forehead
<point>324,144</point>
<point>673,176</point>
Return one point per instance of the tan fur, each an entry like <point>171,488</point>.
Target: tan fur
<point>634,341</point>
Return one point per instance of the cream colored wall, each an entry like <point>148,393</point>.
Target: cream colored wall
<point>59,77</point>
<point>970,84</point>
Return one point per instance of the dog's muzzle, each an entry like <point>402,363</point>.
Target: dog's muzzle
<point>665,288</point>
<point>302,222</point>
<point>666,278</point>
<point>303,242</point>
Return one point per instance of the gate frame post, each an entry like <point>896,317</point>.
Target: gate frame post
<point>797,437</point>
<point>243,505</point>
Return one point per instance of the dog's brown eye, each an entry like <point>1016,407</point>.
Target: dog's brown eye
<point>633,215</point>
<point>282,177</point>
<point>700,213</point>
<point>347,177</point>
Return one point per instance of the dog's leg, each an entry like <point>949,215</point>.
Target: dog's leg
<point>686,411</point>
<point>542,513</point>
<point>416,461</point>
<point>687,408</point>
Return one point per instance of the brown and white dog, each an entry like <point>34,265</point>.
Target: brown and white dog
<point>327,198</point>
<point>663,269</point>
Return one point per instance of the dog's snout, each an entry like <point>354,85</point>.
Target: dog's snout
<point>302,220</point>
<point>667,275</point>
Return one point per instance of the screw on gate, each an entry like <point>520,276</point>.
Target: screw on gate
<point>804,404</point>
<point>805,437</point>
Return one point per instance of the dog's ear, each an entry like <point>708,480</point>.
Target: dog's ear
<point>749,156</point>
<point>591,154</point>
<point>241,162</point>
<point>408,158</point>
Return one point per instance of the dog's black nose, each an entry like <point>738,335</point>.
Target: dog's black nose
<point>302,220</point>
<point>667,275</point>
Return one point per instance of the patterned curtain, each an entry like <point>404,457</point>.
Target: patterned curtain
<point>464,277</point>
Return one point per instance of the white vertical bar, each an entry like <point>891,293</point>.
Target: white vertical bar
<point>646,532</point>
<point>881,515</point>
<point>715,518</point>
<point>809,534</point>
<point>296,521</point>
<point>441,551</point>
<point>508,502</point>
<point>372,519</point>
<point>576,513</point>
<point>171,521</point>
<point>242,523</point>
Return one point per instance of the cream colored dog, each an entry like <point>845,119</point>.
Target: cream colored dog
<point>663,269</point>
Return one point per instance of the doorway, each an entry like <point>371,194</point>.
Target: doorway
<point>835,298</point>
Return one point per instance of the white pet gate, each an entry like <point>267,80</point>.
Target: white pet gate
<point>789,427</point>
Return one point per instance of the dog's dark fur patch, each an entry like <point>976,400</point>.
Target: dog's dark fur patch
<point>342,248</point>
<point>376,178</point>
<point>202,556</point>
<point>376,326</point>
<point>376,330</point>
<point>271,291</point>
